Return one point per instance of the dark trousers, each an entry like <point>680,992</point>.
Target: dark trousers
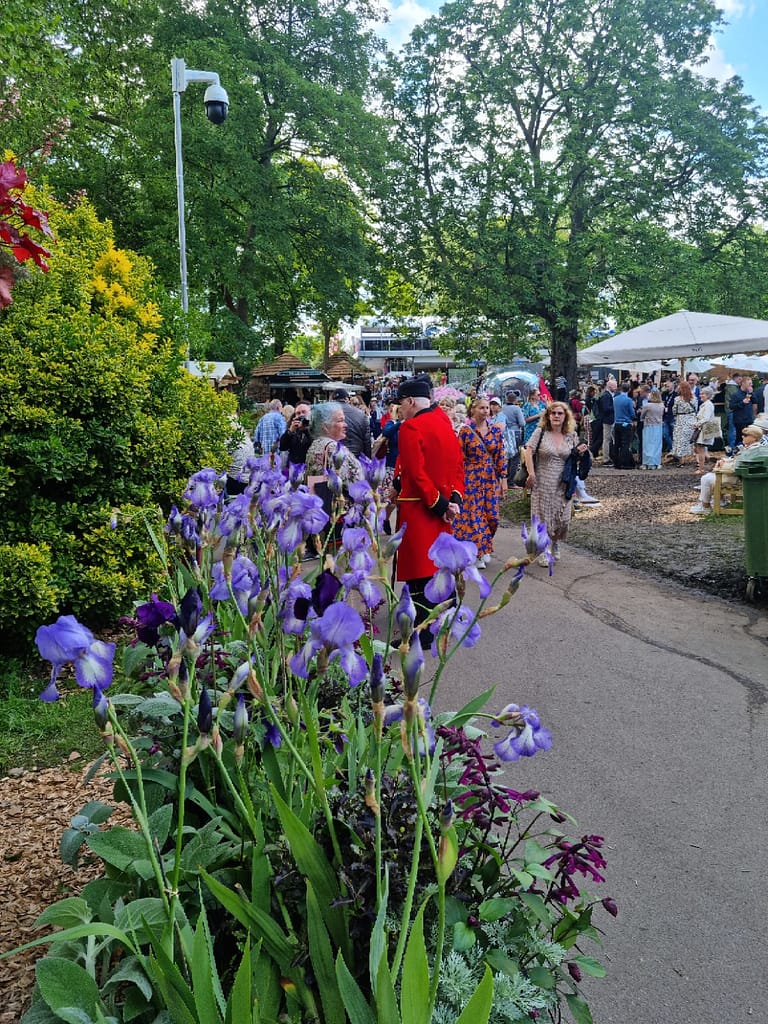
<point>596,434</point>
<point>622,438</point>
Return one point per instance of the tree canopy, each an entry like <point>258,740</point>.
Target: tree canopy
<point>542,145</point>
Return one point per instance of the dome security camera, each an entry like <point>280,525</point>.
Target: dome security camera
<point>216,104</point>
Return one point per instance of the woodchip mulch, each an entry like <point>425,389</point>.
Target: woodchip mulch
<point>36,807</point>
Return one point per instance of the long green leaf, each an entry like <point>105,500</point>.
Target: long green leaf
<point>313,864</point>
<point>203,968</point>
<point>240,1007</point>
<point>469,710</point>
<point>177,1004</point>
<point>478,1009</point>
<point>386,1000</point>
<point>259,924</point>
<point>82,931</point>
<point>358,1010</point>
<point>579,1009</point>
<point>378,942</point>
<point>414,995</point>
<point>321,955</point>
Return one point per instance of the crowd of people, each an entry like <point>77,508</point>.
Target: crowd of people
<point>451,455</point>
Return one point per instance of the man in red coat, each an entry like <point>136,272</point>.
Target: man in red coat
<point>429,483</point>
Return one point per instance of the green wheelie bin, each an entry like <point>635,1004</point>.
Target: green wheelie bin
<point>752,467</point>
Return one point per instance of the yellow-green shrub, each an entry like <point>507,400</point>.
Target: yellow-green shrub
<point>96,413</point>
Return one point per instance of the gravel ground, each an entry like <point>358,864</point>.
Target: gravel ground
<point>644,522</point>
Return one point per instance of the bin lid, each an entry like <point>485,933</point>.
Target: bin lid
<point>752,462</point>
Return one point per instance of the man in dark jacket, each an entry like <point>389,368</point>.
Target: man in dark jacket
<point>743,407</point>
<point>605,407</point>
<point>358,438</point>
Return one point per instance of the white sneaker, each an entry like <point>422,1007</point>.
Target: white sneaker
<point>589,500</point>
<point>701,510</point>
<point>556,551</point>
<point>482,562</point>
<point>543,561</point>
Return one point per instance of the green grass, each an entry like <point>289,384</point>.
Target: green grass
<point>33,734</point>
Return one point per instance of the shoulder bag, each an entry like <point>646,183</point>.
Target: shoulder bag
<point>521,476</point>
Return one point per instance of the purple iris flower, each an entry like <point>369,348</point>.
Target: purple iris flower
<point>362,561</point>
<point>537,539</point>
<point>204,713</point>
<point>394,713</point>
<point>201,490</point>
<point>334,481</point>
<point>240,721</point>
<point>100,708</point>
<point>339,454</point>
<point>405,613</point>
<point>296,603</point>
<point>355,539</point>
<point>272,734</point>
<point>527,735</point>
<point>376,682</point>
<point>236,516</point>
<point>413,669</point>
<point>67,641</point>
<point>324,591</point>
<point>337,629</point>
<point>453,558</point>
<point>390,544</point>
<point>302,515</point>
<point>460,622</point>
<point>375,470</point>
<point>245,580</point>
<point>195,629</point>
<point>151,616</point>
<point>361,581</point>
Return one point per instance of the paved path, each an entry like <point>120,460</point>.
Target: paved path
<point>658,703</point>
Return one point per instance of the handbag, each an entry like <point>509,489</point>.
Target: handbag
<point>695,434</point>
<point>380,447</point>
<point>520,478</point>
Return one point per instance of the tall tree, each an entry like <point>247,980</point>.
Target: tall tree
<point>297,73</point>
<point>543,142</point>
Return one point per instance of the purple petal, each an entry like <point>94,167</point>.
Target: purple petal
<point>94,668</point>
<point>441,586</point>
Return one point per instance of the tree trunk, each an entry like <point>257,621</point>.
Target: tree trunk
<point>563,360</point>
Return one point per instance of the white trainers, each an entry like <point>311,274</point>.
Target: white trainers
<point>482,562</point>
<point>701,510</point>
<point>556,551</point>
<point>543,561</point>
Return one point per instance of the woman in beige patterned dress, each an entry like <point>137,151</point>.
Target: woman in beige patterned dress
<point>546,453</point>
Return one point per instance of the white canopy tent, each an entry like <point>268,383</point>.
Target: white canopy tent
<point>682,336</point>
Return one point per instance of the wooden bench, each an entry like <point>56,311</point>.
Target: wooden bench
<point>727,497</point>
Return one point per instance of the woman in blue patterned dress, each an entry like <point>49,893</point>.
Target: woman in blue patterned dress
<point>485,475</point>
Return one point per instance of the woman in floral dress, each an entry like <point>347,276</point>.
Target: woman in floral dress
<point>684,411</point>
<point>485,475</point>
<point>545,456</point>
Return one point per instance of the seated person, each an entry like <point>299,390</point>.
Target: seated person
<point>751,435</point>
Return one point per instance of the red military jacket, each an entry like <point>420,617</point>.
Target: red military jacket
<point>429,473</point>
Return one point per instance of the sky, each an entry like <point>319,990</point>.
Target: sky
<point>738,48</point>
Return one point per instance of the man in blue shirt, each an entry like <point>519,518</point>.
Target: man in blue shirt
<point>624,417</point>
<point>270,428</point>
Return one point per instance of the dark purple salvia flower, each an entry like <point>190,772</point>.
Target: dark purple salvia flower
<point>65,642</point>
<point>204,713</point>
<point>201,490</point>
<point>610,905</point>
<point>584,857</point>
<point>453,558</point>
<point>151,616</point>
<point>527,735</point>
<point>405,613</point>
